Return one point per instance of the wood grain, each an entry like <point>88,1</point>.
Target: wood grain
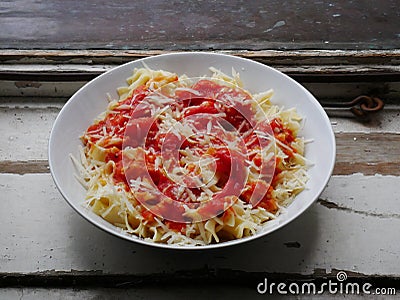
<point>179,24</point>
<point>24,167</point>
<point>304,73</point>
<point>49,81</point>
<point>367,153</point>
<point>268,56</point>
<point>303,65</point>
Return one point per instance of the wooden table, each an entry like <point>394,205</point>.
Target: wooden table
<point>48,251</point>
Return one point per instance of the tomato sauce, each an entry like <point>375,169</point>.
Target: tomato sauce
<point>134,124</point>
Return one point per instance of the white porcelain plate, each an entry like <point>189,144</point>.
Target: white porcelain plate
<point>87,103</point>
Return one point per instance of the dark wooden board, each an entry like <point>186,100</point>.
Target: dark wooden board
<point>199,25</point>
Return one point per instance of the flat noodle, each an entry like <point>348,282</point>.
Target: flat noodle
<point>117,204</point>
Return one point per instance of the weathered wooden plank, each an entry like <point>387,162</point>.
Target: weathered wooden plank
<point>184,291</point>
<point>327,73</point>
<point>29,85</point>
<point>24,167</point>
<point>86,72</point>
<point>39,222</point>
<point>25,126</point>
<point>38,89</point>
<point>304,72</point>
<point>24,133</point>
<point>367,153</point>
<point>364,195</point>
<point>386,121</point>
<point>273,57</point>
<point>28,24</point>
<point>389,92</point>
<point>155,292</point>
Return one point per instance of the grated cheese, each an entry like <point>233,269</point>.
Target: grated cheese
<point>122,207</point>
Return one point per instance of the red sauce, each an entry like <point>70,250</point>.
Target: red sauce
<point>284,135</point>
<point>142,131</point>
<point>223,165</point>
<point>178,227</point>
<point>207,106</point>
<point>148,215</point>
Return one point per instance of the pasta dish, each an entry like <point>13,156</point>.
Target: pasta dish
<point>191,161</point>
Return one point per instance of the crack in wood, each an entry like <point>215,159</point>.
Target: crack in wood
<point>333,205</point>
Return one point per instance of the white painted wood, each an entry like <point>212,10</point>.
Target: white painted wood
<point>365,195</point>
<point>40,232</point>
<point>24,133</point>
<point>25,126</point>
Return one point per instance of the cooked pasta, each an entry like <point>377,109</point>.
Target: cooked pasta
<point>191,161</point>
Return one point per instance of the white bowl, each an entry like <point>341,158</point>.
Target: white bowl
<point>79,112</point>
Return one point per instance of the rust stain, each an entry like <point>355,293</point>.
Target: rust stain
<point>27,84</point>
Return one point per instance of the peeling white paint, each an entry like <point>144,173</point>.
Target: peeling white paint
<point>39,222</point>
<point>276,25</point>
